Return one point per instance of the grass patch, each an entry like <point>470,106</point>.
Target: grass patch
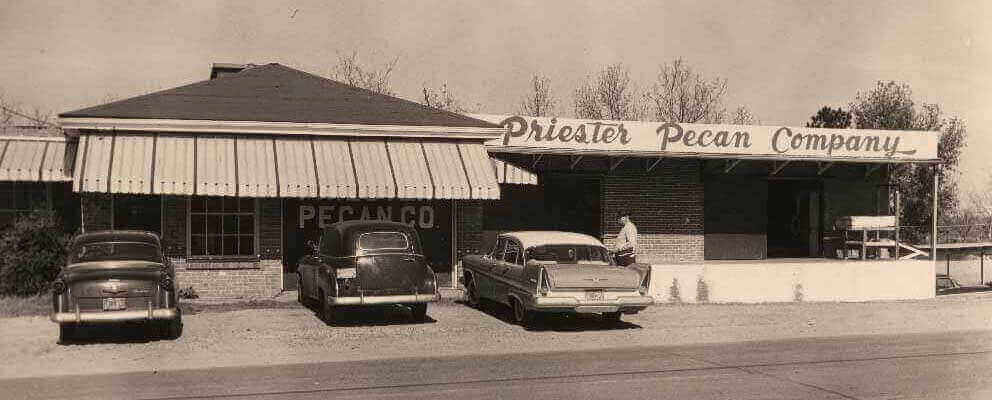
<point>20,306</point>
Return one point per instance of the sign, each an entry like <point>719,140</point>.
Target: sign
<point>781,142</point>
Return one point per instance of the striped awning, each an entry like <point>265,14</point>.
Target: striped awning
<point>34,159</point>
<point>512,174</point>
<point>305,167</point>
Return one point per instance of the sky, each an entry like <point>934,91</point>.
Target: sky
<point>782,59</point>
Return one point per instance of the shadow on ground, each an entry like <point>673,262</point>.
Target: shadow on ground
<point>376,316</point>
<point>555,322</point>
<point>115,333</point>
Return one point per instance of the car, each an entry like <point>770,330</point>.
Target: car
<point>366,263</point>
<point>549,271</point>
<point>115,277</point>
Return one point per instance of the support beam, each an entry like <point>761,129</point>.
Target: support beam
<point>654,163</point>
<point>870,169</point>
<point>575,161</point>
<point>933,219</point>
<point>778,167</point>
<point>537,159</point>
<point>823,167</point>
<point>615,162</point>
<point>730,165</point>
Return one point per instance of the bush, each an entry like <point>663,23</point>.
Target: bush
<point>188,293</point>
<point>32,251</point>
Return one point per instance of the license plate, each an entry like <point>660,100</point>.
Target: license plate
<point>114,303</point>
<point>594,295</point>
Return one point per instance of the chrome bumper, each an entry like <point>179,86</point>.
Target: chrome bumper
<point>623,303</point>
<point>371,300</point>
<point>114,316</point>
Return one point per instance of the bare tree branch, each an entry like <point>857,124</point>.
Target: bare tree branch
<point>540,102</point>
<point>349,70</point>
<point>681,95</point>
<point>609,95</point>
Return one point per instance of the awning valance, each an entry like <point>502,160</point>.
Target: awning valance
<point>33,159</point>
<point>512,174</point>
<point>252,166</point>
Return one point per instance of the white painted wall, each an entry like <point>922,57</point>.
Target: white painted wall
<point>759,282</point>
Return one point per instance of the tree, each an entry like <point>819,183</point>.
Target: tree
<point>829,118</point>
<point>889,105</point>
<point>376,79</point>
<point>443,99</point>
<point>682,95</point>
<point>744,116</point>
<point>609,95</point>
<point>540,102</point>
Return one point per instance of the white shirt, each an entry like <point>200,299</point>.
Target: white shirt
<point>627,238</point>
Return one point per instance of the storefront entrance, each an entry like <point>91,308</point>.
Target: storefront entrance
<point>562,202</point>
<point>794,218</point>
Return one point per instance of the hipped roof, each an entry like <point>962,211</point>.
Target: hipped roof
<point>276,93</point>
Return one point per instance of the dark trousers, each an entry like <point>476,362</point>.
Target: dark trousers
<point>624,260</point>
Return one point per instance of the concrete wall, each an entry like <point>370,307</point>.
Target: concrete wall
<point>787,281</point>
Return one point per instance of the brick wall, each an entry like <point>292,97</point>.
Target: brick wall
<point>231,279</point>
<point>97,211</point>
<point>667,207</point>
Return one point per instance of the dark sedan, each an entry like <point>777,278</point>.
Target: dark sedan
<point>116,277</point>
<point>366,263</point>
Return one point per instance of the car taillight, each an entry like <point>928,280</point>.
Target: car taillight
<point>59,286</point>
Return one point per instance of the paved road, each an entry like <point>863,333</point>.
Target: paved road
<point>954,365</point>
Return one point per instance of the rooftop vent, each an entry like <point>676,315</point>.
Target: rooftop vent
<point>218,70</point>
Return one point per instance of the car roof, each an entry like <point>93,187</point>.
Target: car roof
<point>117,236</point>
<point>530,239</point>
<point>347,226</point>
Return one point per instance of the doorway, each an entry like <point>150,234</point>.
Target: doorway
<point>794,218</point>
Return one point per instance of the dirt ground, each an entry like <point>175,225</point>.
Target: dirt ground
<point>282,332</point>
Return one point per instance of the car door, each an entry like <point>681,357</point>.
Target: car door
<point>485,281</point>
<point>513,270</point>
<point>503,270</point>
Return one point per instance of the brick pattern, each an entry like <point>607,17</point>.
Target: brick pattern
<point>667,207</point>
<point>97,211</point>
<point>469,221</point>
<point>253,279</point>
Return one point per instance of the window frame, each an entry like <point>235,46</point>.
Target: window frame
<point>518,260</point>
<point>206,212</point>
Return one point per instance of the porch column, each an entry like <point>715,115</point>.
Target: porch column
<point>933,228</point>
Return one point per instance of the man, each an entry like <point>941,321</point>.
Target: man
<point>626,247</point>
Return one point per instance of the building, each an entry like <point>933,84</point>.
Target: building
<point>239,172</point>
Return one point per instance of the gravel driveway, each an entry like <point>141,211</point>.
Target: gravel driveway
<point>292,334</point>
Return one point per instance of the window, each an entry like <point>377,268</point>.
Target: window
<point>114,251</point>
<point>497,252</point>
<point>512,255</point>
<point>221,226</point>
<point>569,254</point>
<point>383,241</point>
<point>22,197</point>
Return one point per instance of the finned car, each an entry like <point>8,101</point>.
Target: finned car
<point>548,271</point>
<point>366,263</point>
<point>116,277</point>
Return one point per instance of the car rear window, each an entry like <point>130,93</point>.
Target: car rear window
<point>114,251</point>
<point>568,254</point>
<point>383,241</point>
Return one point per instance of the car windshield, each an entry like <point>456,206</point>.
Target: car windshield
<point>383,241</point>
<point>569,254</point>
<point>114,251</point>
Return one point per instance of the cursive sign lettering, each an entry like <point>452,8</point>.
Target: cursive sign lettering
<point>588,132</point>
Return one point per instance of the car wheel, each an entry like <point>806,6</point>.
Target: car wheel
<point>419,311</point>
<point>327,313</point>
<point>173,329</point>
<point>521,314</point>
<point>67,333</point>
<point>473,298</point>
<point>612,317</point>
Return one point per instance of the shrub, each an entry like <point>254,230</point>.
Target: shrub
<point>674,295</point>
<point>702,291</point>
<point>32,251</point>
<point>188,293</point>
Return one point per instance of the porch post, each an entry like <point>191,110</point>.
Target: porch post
<point>933,227</point>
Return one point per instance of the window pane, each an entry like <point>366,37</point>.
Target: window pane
<point>197,224</point>
<point>214,224</point>
<point>230,224</point>
<point>382,240</point>
<point>230,245</point>
<point>246,224</point>
<point>197,205</point>
<point>215,204</point>
<point>247,245</point>
<point>247,204</point>
<point>231,204</point>
<point>214,244</point>
<point>197,245</point>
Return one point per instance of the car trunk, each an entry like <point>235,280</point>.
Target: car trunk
<point>592,276</point>
<point>386,274</point>
<point>136,281</point>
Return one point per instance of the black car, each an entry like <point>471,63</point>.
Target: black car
<point>367,263</point>
<point>114,277</point>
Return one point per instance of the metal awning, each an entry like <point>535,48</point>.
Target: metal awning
<point>252,166</point>
<point>512,174</point>
<point>34,159</point>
